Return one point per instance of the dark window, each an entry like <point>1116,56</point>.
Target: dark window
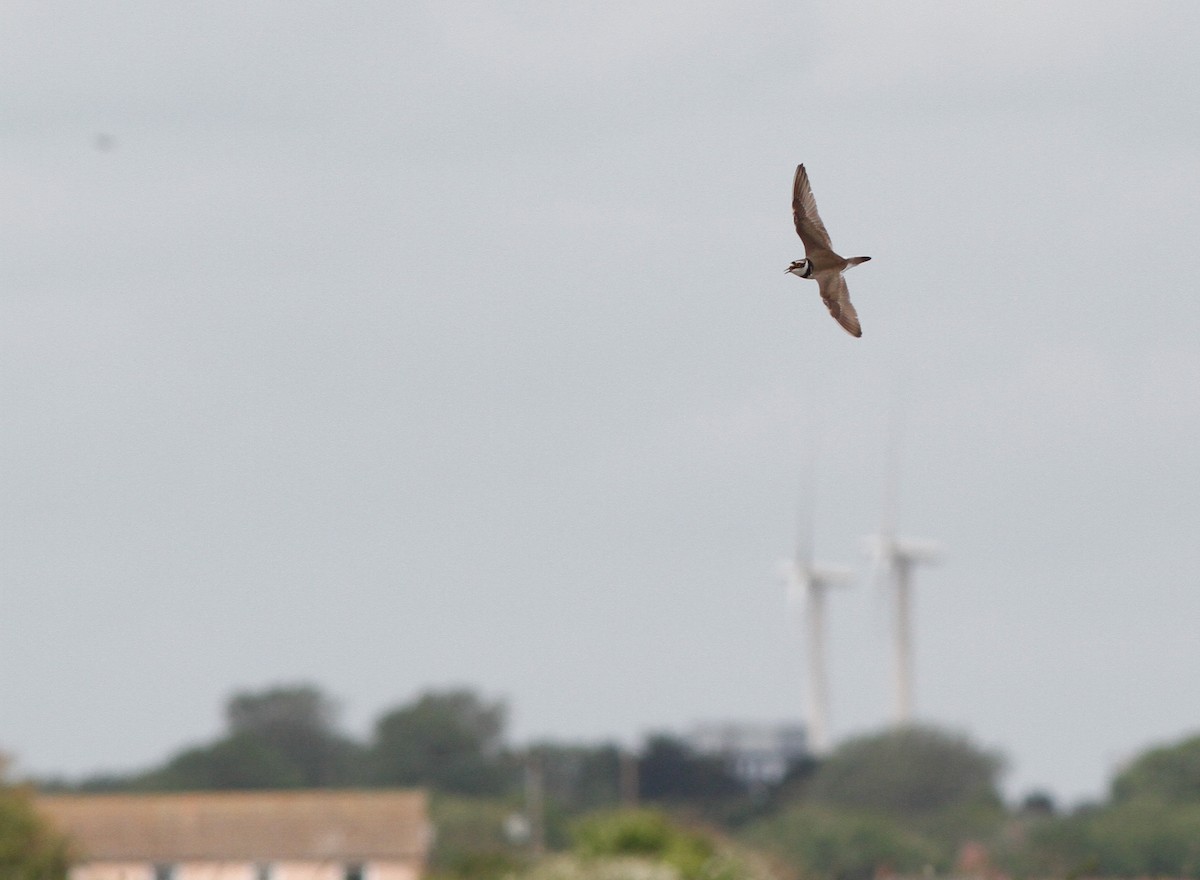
<point>356,872</point>
<point>262,871</point>
<point>164,872</point>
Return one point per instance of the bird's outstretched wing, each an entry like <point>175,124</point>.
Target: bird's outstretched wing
<point>808,222</point>
<point>837,299</point>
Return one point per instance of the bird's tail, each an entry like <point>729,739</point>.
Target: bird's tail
<point>854,261</point>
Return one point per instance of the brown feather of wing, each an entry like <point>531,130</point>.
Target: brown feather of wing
<point>804,210</point>
<point>837,299</point>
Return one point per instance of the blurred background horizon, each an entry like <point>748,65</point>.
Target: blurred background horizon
<point>394,347</point>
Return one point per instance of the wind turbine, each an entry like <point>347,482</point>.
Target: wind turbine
<point>894,559</point>
<point>808,582</point>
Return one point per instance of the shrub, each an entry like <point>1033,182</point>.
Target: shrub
<point>821,842</point>
<point>29,848</point>
<point>645,833</point>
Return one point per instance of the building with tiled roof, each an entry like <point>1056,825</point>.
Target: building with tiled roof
<point>268,835</point>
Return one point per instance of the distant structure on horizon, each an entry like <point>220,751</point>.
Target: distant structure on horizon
<point>756,753</point>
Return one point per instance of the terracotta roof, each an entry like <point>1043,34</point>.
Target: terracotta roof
<point>244,826</point>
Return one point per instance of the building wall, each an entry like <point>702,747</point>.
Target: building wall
<point>308,871</point>
<point>215,871</point>
<point>112,871</point>
<point>392,871</point>
<point>244,871</point>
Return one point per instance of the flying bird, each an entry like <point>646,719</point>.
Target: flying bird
<point>820,263</point>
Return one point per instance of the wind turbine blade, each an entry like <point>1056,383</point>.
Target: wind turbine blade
<point>806,504</point>
<point>891,478</point>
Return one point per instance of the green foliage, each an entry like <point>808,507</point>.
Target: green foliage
<point>670,771</point>
<point>278,713</point>
<point>907,796</point>
<point>1170,774</point>
<point>911,771</point>
<point>299,723</point>
<point>450,741</point>
<point>831,844</point>
<point>1038,803</point>
<point>470,843</point>
<point>618,868</point>
<point>575,779</point>
<point>579,778</point>
<point>286,737</point>
<point>1151,827</point>
<point>278,738</point>
<point>646,834</point>
<point>29,848</point>
<point>242,761</point>
<point>727,864</point>
<point>952,827</point>
<point>1136,839</point>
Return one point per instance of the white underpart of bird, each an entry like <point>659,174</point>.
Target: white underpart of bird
<point>821,263</point>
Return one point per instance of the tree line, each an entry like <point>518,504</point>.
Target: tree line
<point>909,801</point>
<point>450,741</point>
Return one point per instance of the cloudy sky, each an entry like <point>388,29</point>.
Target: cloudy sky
<point>389,346</point>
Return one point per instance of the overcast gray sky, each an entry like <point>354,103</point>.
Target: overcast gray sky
<point>394,345</point>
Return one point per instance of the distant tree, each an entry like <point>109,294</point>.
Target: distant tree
<point>280,711</point>
<point>669,769</point>
<point>297,722</point>
<point>823,843</point>
<point>1145,838</point>
<point>913,770</point>
<point>281,737</point>
<point>1170,774</point>
<point>578,778</point>
<point>449,740</point>
<point>95,784</point>
<point>240,761</point>
<point>796,780</point>
<point>1038,803</point>
<point>30,849</point>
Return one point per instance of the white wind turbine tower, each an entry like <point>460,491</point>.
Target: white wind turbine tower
<point>809,582</point>
<point>894,559</point>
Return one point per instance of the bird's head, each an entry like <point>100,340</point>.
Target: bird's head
<point>801,268</point>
